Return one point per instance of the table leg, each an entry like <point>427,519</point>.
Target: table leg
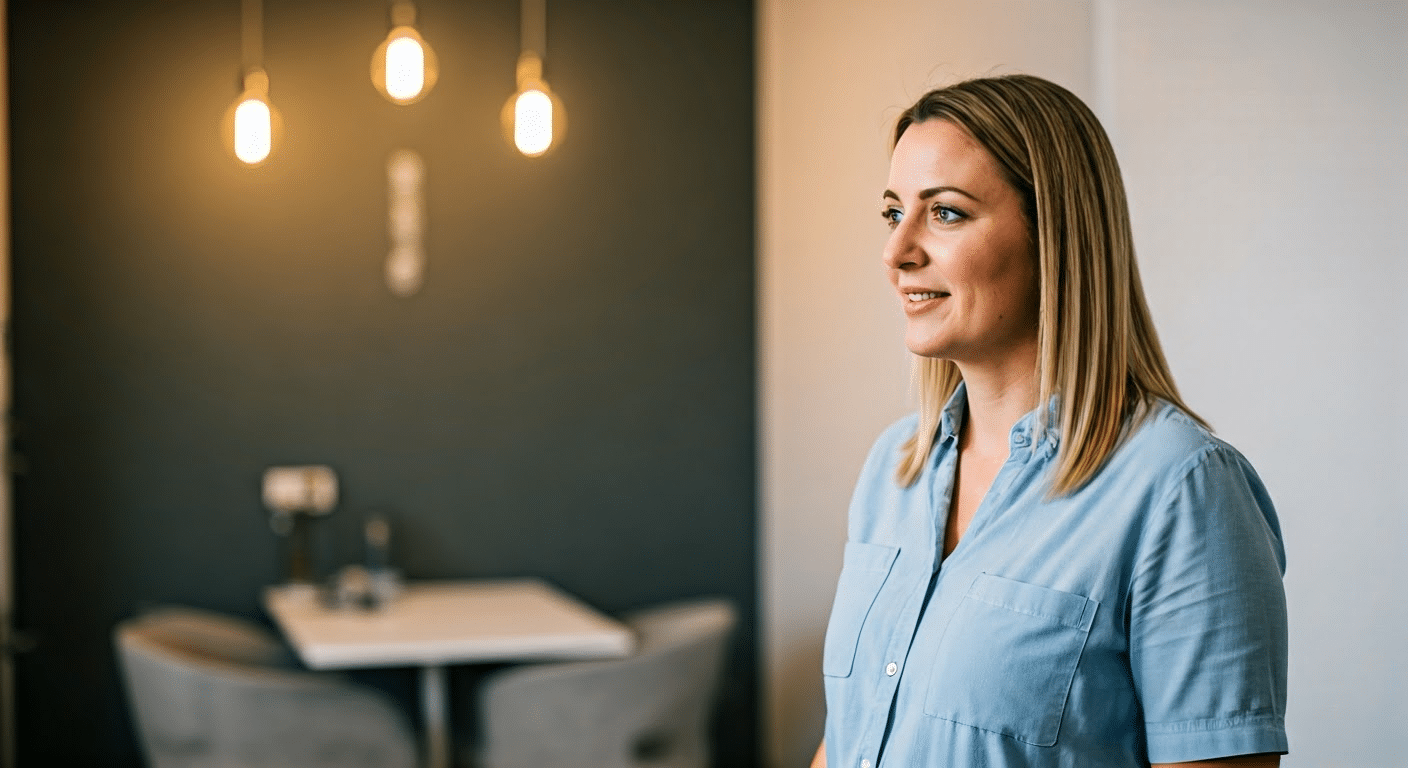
<point>433,699</point>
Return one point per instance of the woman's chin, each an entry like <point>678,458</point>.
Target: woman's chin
<point>928,348</point>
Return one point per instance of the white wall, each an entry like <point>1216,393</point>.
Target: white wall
<point>1265,146</point>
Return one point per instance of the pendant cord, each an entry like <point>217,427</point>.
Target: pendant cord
<point>251,35</point>
<point>535,27</point>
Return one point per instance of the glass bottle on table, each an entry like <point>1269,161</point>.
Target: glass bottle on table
<point>385,580</point>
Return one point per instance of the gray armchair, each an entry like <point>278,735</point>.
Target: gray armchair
<point>208,690</point>
<point>651,709</point>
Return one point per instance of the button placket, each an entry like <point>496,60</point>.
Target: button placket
<point>903,633</point>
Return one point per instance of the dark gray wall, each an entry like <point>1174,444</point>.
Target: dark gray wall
<point>570,396</point>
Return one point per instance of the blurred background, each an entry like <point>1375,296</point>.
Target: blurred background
<point>569,395</point>
<point>648,364</point>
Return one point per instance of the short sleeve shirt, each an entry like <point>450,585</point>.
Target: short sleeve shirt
<point>1140,619</point>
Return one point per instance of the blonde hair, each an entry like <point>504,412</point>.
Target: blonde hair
<point>1097,348</point>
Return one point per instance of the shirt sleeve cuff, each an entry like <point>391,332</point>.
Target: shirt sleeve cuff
<point>1191,740</point>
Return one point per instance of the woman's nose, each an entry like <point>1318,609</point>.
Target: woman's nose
<point>902,250</point>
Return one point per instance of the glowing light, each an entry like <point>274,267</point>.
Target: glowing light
<point>532,122</point>
<point>405,68</point>
<point>403,65</point>
<point>533,117</point>
<point>252,121</point>
<point>253,131</point>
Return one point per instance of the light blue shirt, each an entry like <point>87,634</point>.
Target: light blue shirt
<point>1141,619</point>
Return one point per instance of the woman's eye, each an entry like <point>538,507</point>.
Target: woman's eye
<point>947,215</point>
<point>892,216</point>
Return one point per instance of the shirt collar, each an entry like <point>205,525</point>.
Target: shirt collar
<point>1021,435</point>
<point>954,411</point>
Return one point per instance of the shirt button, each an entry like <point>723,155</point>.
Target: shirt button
<point>1020,439</point>
<point>865,764</point>
<point>891,669</point>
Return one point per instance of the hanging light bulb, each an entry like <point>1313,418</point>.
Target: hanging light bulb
<point>532,108</point>
<point>254,120</point>
<point>403,66</point>
<point>252,126</point>
<point>532,122</point>
<point>533,117</point>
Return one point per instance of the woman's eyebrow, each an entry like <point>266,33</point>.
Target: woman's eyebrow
<point>930,192</point>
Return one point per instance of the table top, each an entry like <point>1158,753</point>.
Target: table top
<point>436,623</point>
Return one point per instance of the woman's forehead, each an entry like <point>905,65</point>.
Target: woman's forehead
<point>937,153</point>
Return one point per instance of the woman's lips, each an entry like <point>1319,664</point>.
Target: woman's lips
<point>916,302</point>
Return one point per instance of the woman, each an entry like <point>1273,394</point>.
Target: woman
<point>1054,563</point>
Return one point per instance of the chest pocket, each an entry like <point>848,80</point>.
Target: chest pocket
<point>1007,659</point>
<point>863,572</point>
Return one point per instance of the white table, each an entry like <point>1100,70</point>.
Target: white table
<point>437,623</point>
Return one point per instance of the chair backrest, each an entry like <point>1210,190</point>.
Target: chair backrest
<point>166,655</point>
<point>213,690</point>
<point>651,709</point>
<point>207,635</point>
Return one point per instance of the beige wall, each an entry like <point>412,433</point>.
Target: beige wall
<point>833,76</point>
<point>1265,146</point>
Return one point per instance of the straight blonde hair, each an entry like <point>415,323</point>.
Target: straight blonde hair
<point>1098,353</point>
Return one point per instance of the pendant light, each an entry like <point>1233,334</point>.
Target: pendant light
<point>533,117</point>
<point>254,120</point>
<point>251,124</point>
<point>403,66</point>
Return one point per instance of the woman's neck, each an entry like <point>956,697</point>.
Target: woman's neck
<point>998,397</point>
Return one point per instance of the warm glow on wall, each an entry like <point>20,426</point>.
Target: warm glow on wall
<point>403,66</point>
<point>405,222</point>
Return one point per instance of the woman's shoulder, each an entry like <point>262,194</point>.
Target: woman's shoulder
<point>1195,482</point>
<point>1165,439</point>
<point>887,450</point>
<point>898,432</point>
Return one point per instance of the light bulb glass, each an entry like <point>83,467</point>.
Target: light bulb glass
<point>405,68</point>
<point>253,131</point>
<point>532,122</point>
